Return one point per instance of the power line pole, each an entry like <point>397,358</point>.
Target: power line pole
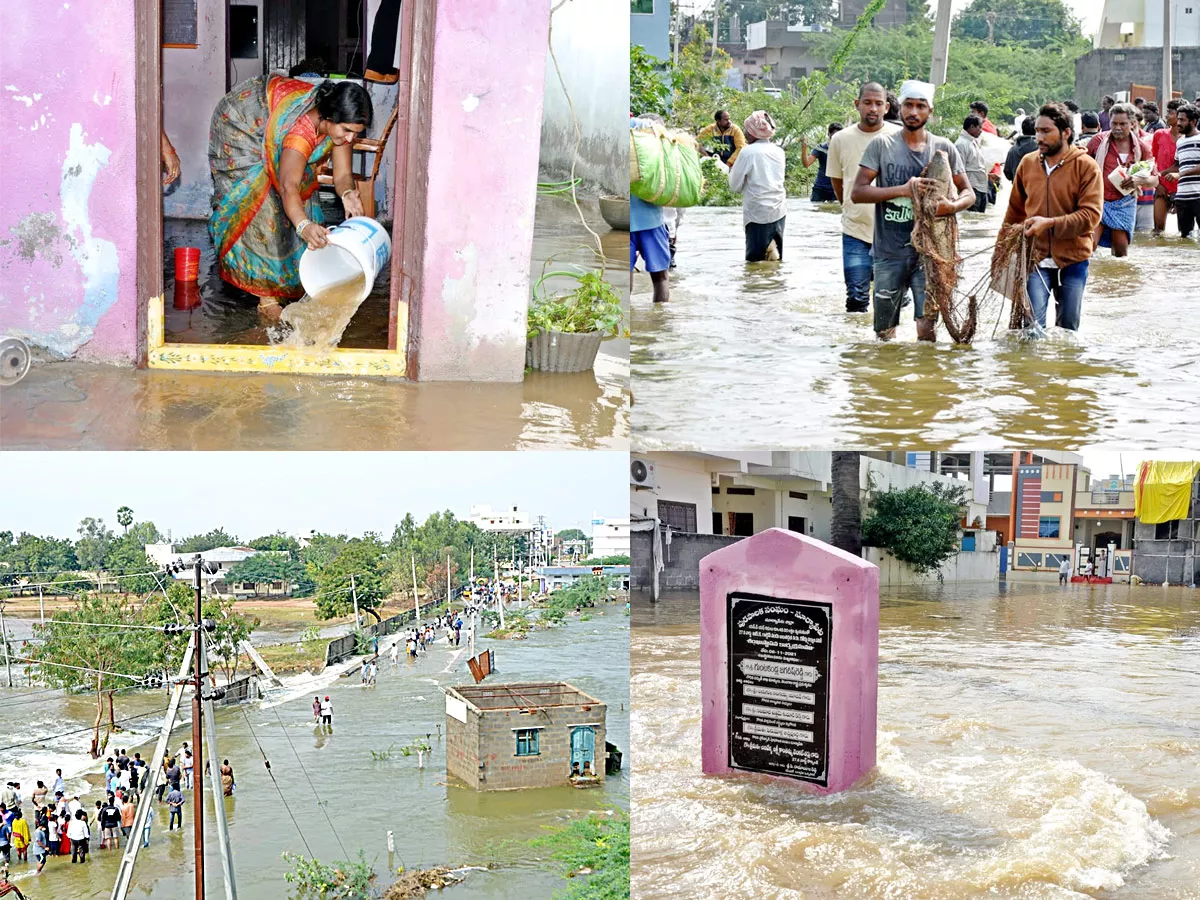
<point>354,594</point>
<point>416,602</point>
<point>197,753</point>
<point>716,25</point>
<point>941,43</point>
<point>218,792</point>
<point>1166,65</point>
<point>4,640</point>
<point>678,24</point>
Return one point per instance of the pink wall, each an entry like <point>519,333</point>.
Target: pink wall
<point>484,124</point>
<point>67,210</point>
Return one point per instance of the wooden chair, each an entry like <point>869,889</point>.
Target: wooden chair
<point>364,182</point>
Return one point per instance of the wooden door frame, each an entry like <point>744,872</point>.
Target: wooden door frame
<point>409,203</point>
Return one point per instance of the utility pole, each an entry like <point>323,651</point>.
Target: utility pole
<point>499,591</point>
<point>416,602</point>
<point>218,792</point>
<point>4,640</point>
<point>678,25</point>
<point>716,25</point>
<point>941,43</point>
<point>447,579</point>
<point>197,737</point>
<point>1166,96</point>
<point>354,594</point>
<point>991,22</point>
<point>41,604</point>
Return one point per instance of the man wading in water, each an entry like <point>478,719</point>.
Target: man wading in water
<point>1057,194</point>
<point>727,138</point>
<point>758,176</point>
<point>896,162</point>
<point>858,219</point>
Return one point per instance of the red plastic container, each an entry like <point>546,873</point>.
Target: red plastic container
<point>187,295</point>
<point>187,263</point>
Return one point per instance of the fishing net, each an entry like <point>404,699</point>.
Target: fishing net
<point>1005,280</point>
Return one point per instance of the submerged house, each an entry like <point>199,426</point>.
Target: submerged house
<point>1166,547</point>
<point>82,217</point>
<point>502,737</point>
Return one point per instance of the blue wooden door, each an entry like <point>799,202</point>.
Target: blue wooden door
<point>583,748</point>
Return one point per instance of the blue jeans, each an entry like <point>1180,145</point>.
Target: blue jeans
<point>1067,284</point>
<point>856,267</point>
<point>894,278</point>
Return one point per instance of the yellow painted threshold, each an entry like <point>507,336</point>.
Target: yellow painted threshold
<point>259,358</point>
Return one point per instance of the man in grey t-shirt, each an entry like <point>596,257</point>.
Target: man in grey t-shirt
<point>888,174</point>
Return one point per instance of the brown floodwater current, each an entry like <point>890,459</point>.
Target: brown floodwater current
<point>766,351</point>
<point>1035,743</point>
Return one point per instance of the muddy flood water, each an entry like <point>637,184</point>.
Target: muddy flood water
<point>434,824</point>
<point>1035,743</point>
<point>766,351</point>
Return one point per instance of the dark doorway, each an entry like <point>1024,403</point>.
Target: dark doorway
<point>743,524</point>
<point>1104,538</point>
<point>331,31</point>
<point>798,524</point>
<point>718,525</point>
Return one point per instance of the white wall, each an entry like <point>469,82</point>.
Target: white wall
<point>591,44</point>
<point>962,567</point>
<point>884,476</point>
<point>683,479</point>
<point>193,84</point>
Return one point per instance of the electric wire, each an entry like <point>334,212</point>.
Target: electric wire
<point>300,762</point>
<point>267,763</point>
<point>59,734</point>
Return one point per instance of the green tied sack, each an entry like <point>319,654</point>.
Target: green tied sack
<point>663,169</point>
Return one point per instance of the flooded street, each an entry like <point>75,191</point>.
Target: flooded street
<point>1035,743</point>
<point>433,824</point>
<point>766,352</point>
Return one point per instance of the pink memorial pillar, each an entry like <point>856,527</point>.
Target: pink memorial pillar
<point>789,660</point>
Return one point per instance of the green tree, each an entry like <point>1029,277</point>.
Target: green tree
<point>1026,23</point>
<point>143,533</point>
<point>649,89</point>
<point>198,543</point>
<point>126,557</point>
<point>81,651</point>
<point>365,561</point>
<point>571,534</point>
<point>30,553</point>
<point>125,517</point>
<point>918,525</point>
<point>277,541</point>
<point>436,578</point>
<point>224,641</point>
<point>92,546</point>
<point>264,568</point>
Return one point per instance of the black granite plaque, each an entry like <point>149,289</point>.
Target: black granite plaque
<point>779,686</point>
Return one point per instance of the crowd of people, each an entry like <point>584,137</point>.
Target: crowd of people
<point>1079,180</point>
<point>60,824</point>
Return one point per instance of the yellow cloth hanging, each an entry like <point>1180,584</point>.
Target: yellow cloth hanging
<point>1164,490</point>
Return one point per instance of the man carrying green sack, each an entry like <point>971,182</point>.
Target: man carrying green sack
<point>649,237</point>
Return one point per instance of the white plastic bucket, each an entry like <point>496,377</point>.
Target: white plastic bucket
<point>357,246</point>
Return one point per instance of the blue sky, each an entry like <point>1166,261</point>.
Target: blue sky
<point>251,494</point>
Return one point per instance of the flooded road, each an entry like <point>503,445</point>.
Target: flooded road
<point>1035,743</point>
<point>766,351</point>
<point>433,824</point>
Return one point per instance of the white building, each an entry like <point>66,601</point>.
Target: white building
<point>1139,23</point>
<point>610,537</point>
<point>509,521</point>
<point>745,493</point>
<point>220,558</point>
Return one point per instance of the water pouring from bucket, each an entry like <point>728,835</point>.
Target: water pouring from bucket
<point>336,279</point>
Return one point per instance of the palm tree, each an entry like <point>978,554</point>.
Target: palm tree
<point>125,517</point>
<point>846,528</point>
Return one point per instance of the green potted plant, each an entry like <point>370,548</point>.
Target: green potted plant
<point>566,328</point>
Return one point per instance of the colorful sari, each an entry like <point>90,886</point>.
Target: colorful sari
<point>258,249</point>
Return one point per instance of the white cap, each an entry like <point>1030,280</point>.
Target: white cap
<point>920,90</point>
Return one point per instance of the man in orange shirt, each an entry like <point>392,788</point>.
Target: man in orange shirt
<point>1163,147</point>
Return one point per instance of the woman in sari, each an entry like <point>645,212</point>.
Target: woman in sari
<point>269,139</point>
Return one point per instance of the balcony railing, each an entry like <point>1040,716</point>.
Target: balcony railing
<point>1106,498</point>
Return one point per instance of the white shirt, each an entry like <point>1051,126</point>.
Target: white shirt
<point>326,708</point>
<point>758,177</point>
<point>77,829</point>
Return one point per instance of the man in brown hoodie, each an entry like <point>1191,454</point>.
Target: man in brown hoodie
<point>1058,194</point>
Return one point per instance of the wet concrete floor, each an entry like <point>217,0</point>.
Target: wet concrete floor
<point>766,351</point>
<point>76,405</point>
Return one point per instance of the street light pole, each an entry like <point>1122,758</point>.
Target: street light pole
<point>197,736</point>
<point>4,640</point>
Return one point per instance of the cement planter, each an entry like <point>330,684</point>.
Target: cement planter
<point>615,211</point>
<point>556,351</point>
